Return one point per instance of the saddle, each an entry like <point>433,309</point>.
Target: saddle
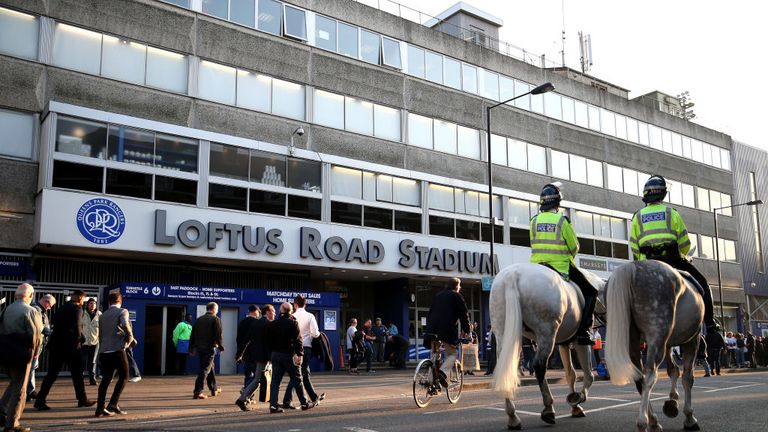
<point>600,310</point>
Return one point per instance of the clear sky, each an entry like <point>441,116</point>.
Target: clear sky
<point>714,49</point>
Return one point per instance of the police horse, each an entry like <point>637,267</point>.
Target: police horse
<point>650,301</point>
<point>535,301</point>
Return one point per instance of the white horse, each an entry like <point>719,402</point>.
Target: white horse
<point>650,301</point>
<point>533,300</point>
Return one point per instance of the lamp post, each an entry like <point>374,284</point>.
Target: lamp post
<point>544,88</point>
<point>717,257</point>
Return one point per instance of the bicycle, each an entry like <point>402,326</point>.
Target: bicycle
<point>426,382</point>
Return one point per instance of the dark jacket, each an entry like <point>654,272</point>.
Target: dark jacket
<point>321,348</point>
<point>67,333</point>
<point>715,341</point>
<point>206,333</point>
<point>251,344</point>
<point>448,307</point>
<point>283,336</point>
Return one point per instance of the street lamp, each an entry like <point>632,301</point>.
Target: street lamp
<point>544,88</point>
<point>300,132</point>
<point>717,256</point>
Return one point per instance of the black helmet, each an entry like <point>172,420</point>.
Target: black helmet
<point>655,189</point>
<point>550,196</point>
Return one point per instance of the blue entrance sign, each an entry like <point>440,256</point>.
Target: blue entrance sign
<point>166,293</point>
<point>487,282</point>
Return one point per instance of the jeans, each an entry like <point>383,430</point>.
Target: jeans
<point>281,364</point>
<point>253,384</point>
<point>739,357</point>
<point>368,355</point>
<point>112,362</point>
<point>133,368</point>
<point>88,353</point>
<point>31,382</point>
<point>206,373</point>
<point>381,347</point>
<point>305,378</point>
<point>714,360</point>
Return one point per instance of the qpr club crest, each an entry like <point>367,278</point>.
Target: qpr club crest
<point>100,221</point>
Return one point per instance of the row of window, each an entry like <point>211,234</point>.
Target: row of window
<point>368,186</point>
<point>356,115</point>
<point>265,168</point>
<point>18,133</point>
<point>705,247</point>
<point>457,200</point>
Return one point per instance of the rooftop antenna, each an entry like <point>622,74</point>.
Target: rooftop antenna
<point>686,106</point>
<point>585,48</point>
<point>562,8</point>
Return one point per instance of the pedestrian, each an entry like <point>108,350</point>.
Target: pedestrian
<point>115,335</point>
<point>254,350</point>
<point>43,306</point>
<point>490,350</point>
<point>715,347</point>
<point>730,341</point>
<point>243,330</point>
<point>398,350</point>
<point>528,353</point>
<point>284,341</point>
<point>21,327</point>
<point>91,335</point>
<point>64,347</point>
<point>470,356</point>
<point>740,347</point>
<point>203,342</point>
<point>701,356</point>
<point>380,334</point>
<point>181,335</point>
<point>759,351</point>
<point>308,330</point>
<point>352,352</point>
<point>749,343</point>
<point>368,339</point>
<point>392,329</point>
<point>597,347</point>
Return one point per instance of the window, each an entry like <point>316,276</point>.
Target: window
<point>560,165</point>
<point>631,182</point>
<point>17,138</point>
<point>217,8</point>
<point>519,211</point>
<point>123,60</point>
<point>348,43</point>
<point>445,136</point>
<point>632,132</point>
<point>677,144</point>
<point>642,137</point>
<point>416,61</point>
<point>384,188</point>
<point>296,23</point>
<point>452,73</point>
<point>490,85</point>
<point>419,130</point>
<point>714,201</point>
<point>304,174</point>
<point>328,109</point>
<point>537,159</point>
<point>405,191</point>
<point>441,226</point>
<point>267,202</point>
<point>254,91</point>
<point>594,117</point>
<point>18,34</point>
<point>707,247</point>
<point>498,150</point>
<point>553,105</point>
<point>345,213</point>
<point>725,201</point>
<point>725,159</point>
<point>621,126</point>
<point>229,161</point>
<point>358,116</point>
<point>469,230</point>
<point>128,183</point>
<point>80,137</point>
<point>176,153</point>
<point>287,99</point>
<point>434,67</point>
<point>131,145</point>
<point>519,237</point>
<point>69,175</point>
<point>176,190</point>
<point>569,113</point>
<point>666,140</point>
<point>469,142</point>
<point>603,248</point>
<point>676,193</point>
<point>517,154</point>
<point>594,173</point>
<point>582,222</point>
<point>687,148</point>
<point>267,168</point>
<point>615,178</point>
<point>506,88</point>
<point>697,152</point>
<point>655,137</point>
<point>386,122</point>
<point>537,103</point>
<point>325,34</point>
<point>303,207</point>
<point>688,196</point>
<point>217,82</point>
<point>370,47</point>
<point>578,168</point>
<point>375,217</point>
<point>441,197</point>
<point>228,197</point>
<point>166,70</point>
<point>77,49</point>
<point>582,116</point>
<point>716,157</point>
<point>469,78</point>
<point>243,12</point>
<point>408,222</point>
<point>346,182</point>
<point>703,199</point>
<point>618,228</point>
<point>270,16</point>
<point>391,53</point>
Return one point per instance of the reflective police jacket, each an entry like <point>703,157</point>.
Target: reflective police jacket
<point>553,241</point>
<point>657,224</point>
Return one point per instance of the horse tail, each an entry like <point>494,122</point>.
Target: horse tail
<point>506,294</point>
<point>618,297</point>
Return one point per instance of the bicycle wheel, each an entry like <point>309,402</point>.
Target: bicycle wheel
<point>423,383</point>
<point>455,383</point>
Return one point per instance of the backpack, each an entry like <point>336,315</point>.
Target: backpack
<point>358,343</point>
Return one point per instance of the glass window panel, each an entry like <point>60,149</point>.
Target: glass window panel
<point>131,145</point>
<point>128,183</point>
<point>666,140</point>
<point>374,217</point>
<point>358,116</point>
<point>303,207</point>
<point>228,197</point>
<point>17,138</point>
<point>518,155</point>
<point>714,200</point>
<point>176,153</point>
<point>642,129</point>
<point>519,211</point>
<point>688,196</point>
<point>707,153</point>
<point>434,67</point>
<point>472,203</point>
<point>407,221</point>
<point>296,24</point>
<point>391,53</point>
<point>328,109</point>
<point>469,78</point>
<point>415,61</point>
<point>641,179</point>
<point>419,130</point>
<point>716,157</point>
<point>386,122</point>
<point>707,247</point>
<point>217,82</point>
<point>304,175</point>
<point>458,195</point>
<point>582,222</point>
<point>243,12</point>
<point>176,190</point>
<point>348,43</point>
<point>621,126</point>
<point>369,186</point>
<point>490,84</point>
<point>603,248</point>
<point>686,147</point>
<point>726,202</point>
<point>655,137</point>
<point>519,237</point>
<point>468,230</point>
<point>618,228</point>
<point>346,182</point>
<point>344,213</point>
<point>445,136</point>
<point>497,210</point>
<point>702,198</point>
<point>18,34</point>
<point>560,165</point>
<point>166,70</point>
<point>77,49</point>
<point>469,142</point>
<point>602,225</point>
<point>406,191</point>
<point>182,3</point>
<point>730,250</point>
<point>595,173</point>
<point>229,161</point>
<point>696,151</point>
<point>525,101</point>
<point>537,103</point>
<point>677,144</point>
<point>384,188</point>
<point>630,181</point>
<point>578,169</point>
<point>370,47</point>
<point>594,117</point>
<point>325,34</point>
<point>287,99</point>
<point>607,122</point>
<point>676,193</point>
<point>267,168</point>
<point>441,197</point>
<point>70,175</point>
<point>123,60</point>
<point>582,116</point>
<point>553,105</point>
<point>271,16</point>
<point>452,73</point>
<point>537,159</point>
<point>569,113</point>
<point>80,137</point>
<point>632,133</point>
<point>441,226</point>
<point>506,88</point>
<point>725,159</point>
<point>615,178</point>
<point>267,202</point>
<point>254,91</point>
<point>217,8</point>
<point>695,248</point>
<point>498,233</point>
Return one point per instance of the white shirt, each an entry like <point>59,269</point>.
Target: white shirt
<point>307,326</point>
<point>731,343</point>
<point>350,334</point>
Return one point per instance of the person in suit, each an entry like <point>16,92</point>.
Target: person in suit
<point>203,342</point>
<point>43,306</point>
<point>115,335</point>
<point>23,326</point>
<point>64,347</point>
<point>254,353</point>
<point>243,329</point>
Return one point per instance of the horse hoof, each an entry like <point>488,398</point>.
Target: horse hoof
<point>548,418</point>
<point>517,427</point>
<point>577,412</point>
<point>670,408</point>
<point>573,398</point>
<point>693,427</point>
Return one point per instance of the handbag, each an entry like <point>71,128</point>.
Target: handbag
<point>18,349</point>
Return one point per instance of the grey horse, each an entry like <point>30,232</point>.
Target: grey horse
<point>533,300</point>
<point>650,301</point>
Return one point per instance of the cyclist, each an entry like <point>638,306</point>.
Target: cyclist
<point>448,308</point>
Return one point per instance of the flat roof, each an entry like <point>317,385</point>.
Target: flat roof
<point>467,8</point>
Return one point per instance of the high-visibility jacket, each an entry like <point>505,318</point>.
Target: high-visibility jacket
<point>657,224</point>
<point>553,241</point>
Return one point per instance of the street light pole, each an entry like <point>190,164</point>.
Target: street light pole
<point>544,88</point>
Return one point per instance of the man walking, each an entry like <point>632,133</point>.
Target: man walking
<point>115,335</point>
<point>308,330</point>
<point>181,335</point>
<point>43,306</point>
<point>64,347</point>
<point>203,342</point>
<point>91,334</point>
<point>715,346</point>
<point>22,330</point>
<point>243,330</point>
<point>255,354</point>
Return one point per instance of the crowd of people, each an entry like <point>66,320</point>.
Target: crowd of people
<point>374,342</point>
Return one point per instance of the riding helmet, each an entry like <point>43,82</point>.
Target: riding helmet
<point>655,189</point>
<point>550,196</point>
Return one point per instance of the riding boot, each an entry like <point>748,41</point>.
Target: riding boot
<point>706,295</point>
<point>582,335</point>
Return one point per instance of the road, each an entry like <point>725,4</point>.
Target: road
<point>735,402</point>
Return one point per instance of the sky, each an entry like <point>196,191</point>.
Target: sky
<point>712,49</point>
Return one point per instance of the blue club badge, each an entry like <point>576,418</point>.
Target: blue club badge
<point>100,221</point>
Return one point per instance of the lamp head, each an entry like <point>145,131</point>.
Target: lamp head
<point>299,131</point>
<point>755,202</point>
<point>544,88</point>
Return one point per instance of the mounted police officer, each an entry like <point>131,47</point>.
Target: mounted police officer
<point>658,232</point>
<point>554,243</point>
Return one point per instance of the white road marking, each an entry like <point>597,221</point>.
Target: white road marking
<point>530,413</point>
<point>612,407</point>
<point>732,388</point>
<point>357,429</point>
<point>606,399</point>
